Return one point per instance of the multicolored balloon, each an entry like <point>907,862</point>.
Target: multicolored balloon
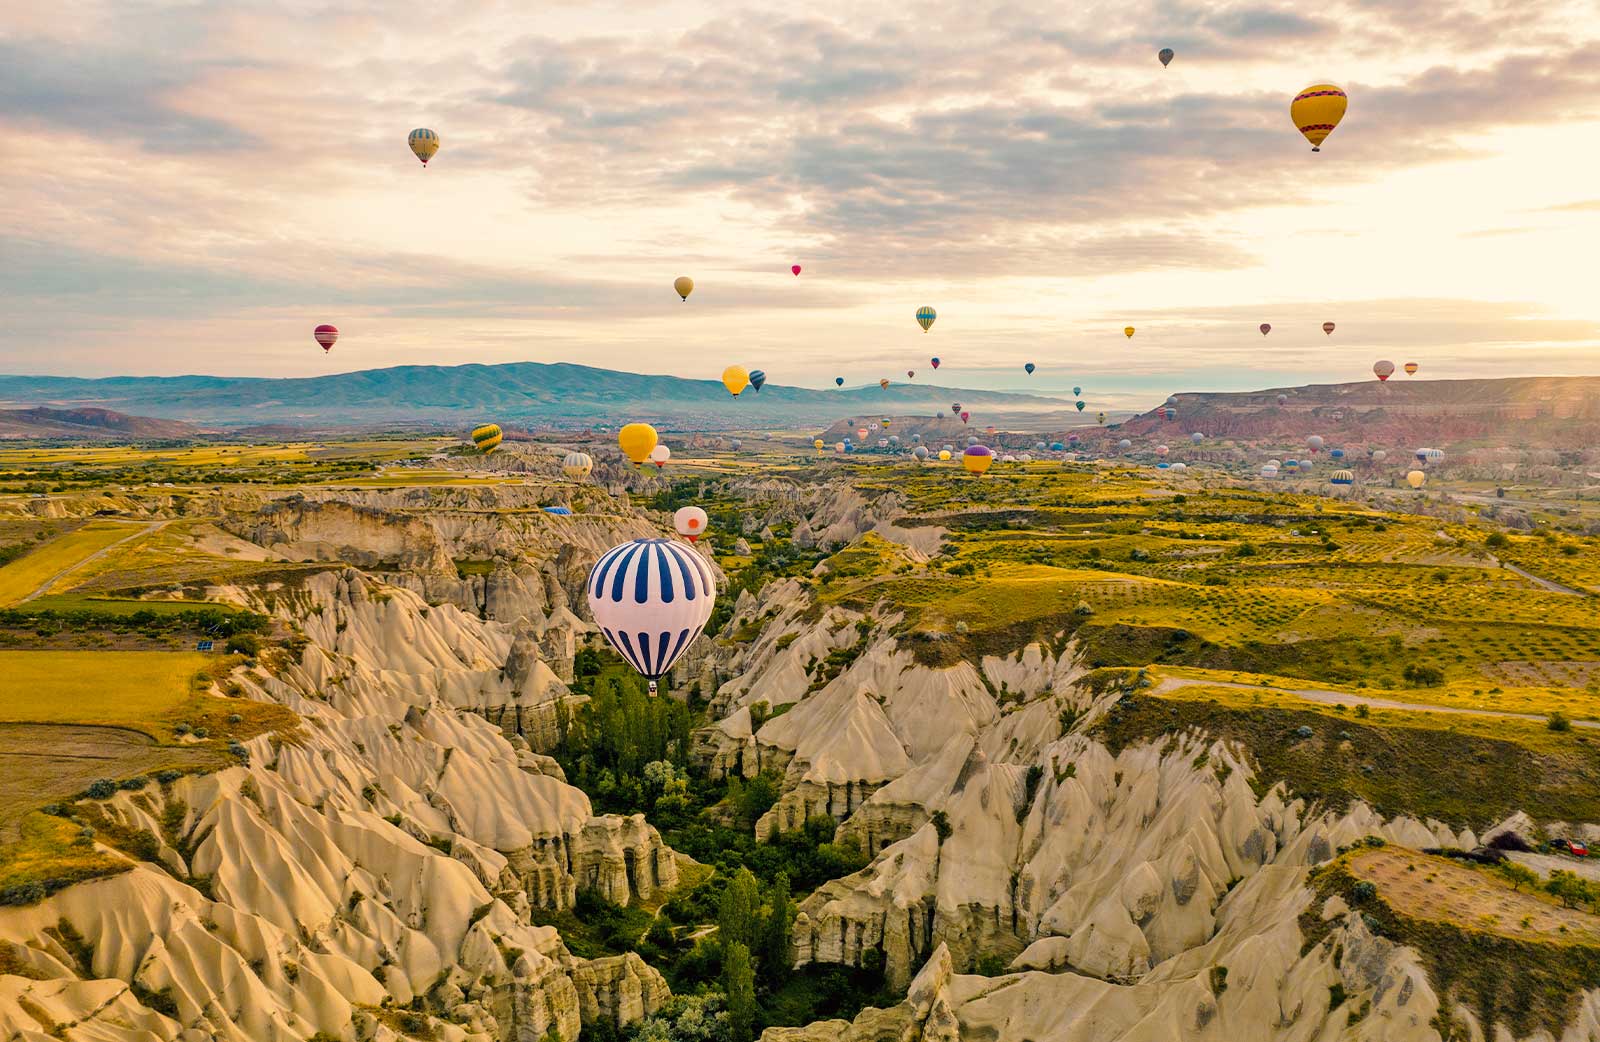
<point>925,317</point>
<point>690,522</point>
<point>1342,477</point>
<point>1317,110</point>
<point>651,598</point>
<point>577,465</point>
<point>1411,368</point>
<point>1081,405</point>
<point>326,335</point>
<point>487,437</point>
<point>1382,369</point>
<point>934,362</point>
<point>757,378</point>
<point>977,459</point>
<point>659,456</point>
<point>424,144</point>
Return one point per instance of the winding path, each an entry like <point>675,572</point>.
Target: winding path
<point>44,587</point>
<point>1344,698</point>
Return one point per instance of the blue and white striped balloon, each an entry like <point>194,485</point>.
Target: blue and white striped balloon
<point>651,598</point>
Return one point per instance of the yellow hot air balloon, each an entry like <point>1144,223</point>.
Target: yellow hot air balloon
<point>1416,478</point>
<point>735,378</point>
<point>637,439</point>
<point>925,317</point>
<point>684,285</point>
<point>1127,331</point>
<point>1316,111</point>
<point>884,383</point>
<point>944,455</point>
<point>486,437</point>
<point>424,143</point>
<point>817,444</point>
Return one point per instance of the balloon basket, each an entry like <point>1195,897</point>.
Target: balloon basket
<point>652,689</point>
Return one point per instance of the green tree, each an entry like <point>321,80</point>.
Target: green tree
<point>736,918</point>
<point>779,930</point>
<point>1568,888</point>
<point>738,982</point>
<point>1518,876</point>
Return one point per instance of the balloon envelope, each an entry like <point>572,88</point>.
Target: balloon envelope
<point>934,362</point>
<point>690,522</point>
<point>684,285</point>
<point>577,465</point>
<point>659,456</point>
<point>757,378</point>
<point>795,268</point>
<point>735,379</point>
<point>424,143</point>
<point>1411,368</point>
<point>486,437</point>
<point>1266,327</point>
<point>1028,368</point>
<point>651,598</point>
<point>1383,369</point>
<point>1416,478</point>
<point>326,335</point>
<point>1317,110</point>
<point>925,317</point>
<point>944,454</point>
<point>637,440</point>
<point>838,381</point>
<point>1165,54</point>
<point>977,459</point>
<point>1328,327</point>
<point>1127,331</point>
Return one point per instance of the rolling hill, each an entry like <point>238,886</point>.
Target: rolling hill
<point>525,393</point>
<point>98,424</point>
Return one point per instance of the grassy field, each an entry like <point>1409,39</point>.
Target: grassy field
<point>115,688</point>
<point>26,574</point>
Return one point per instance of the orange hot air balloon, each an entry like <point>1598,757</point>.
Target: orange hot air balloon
<point>1411,368</point>
<point>884,383</point>
<point>1317,110</point>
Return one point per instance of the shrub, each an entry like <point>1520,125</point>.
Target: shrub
<point>101,789</point>
<point>1557,721</point>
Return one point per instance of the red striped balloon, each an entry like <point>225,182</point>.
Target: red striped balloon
<point>326,336</point>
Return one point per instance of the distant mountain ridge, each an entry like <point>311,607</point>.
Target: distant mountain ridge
<point>526,393</point>
<point>88,423</point>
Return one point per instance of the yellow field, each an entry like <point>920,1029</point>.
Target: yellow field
<point>116,688</point>
<point>26,574</point>
<point>214,455</point>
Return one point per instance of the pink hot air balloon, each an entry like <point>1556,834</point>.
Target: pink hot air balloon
<point>1266,327</point>
<point>795,268</point>
<point>964,416</point>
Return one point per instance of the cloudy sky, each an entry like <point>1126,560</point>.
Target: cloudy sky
<point>190,187</point>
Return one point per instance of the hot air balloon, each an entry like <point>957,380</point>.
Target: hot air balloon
<point>1170,413</point>
<point>944,455</point>
<point>659,456</point>
<point>1197,437</point>
<point>1416,478</point>
<point>1430,455</point>
<point>883,443</point>
<point>1342,477</point>
<point>1269,471</point>
<point>934,362</point>
<point>977,459</point>
<point>757,378</point>
<point>838,381</point>
<point>1179,468</point>
<point>1081,405</point>
<point>1266,327</point>
<point>1283,399</point>
<point>684,285</point>
<point>1028,368</point>
<point>651,598</point>
<point>955,408</point>
<point>424,143</point>
<point>1316,111</point>
<point>637,439</point>
<point>1327,327</point>
<point>795,268</point>
<point>1127,331</point>
<point>690,522</point>
<point>925,317</point>
<point>817,444</point>
<point>1382,369</point>
<point>325,335</point>
<point>965,416</point>
<point>1077,392</point>
<point>1161,450</point>
<point>735,444</point>
<point>884,422</point>
<point>486,437</point>
<point>1411,368</point>
<point>861,432</point>
<point>1100,418</point>
<point>884,383</point>
<point>1124,444</point>
<point>1336,454</point>
<point>1165,54</point>
<point>1378,455</point>
<point>1056,446</point>
<point>1314,442</point>
<point>735,379</point>
<point>911,374</point>
<point>577,465</point>
<point>1163,466</point>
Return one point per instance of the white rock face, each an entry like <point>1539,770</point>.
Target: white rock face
<point>391,850</point>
